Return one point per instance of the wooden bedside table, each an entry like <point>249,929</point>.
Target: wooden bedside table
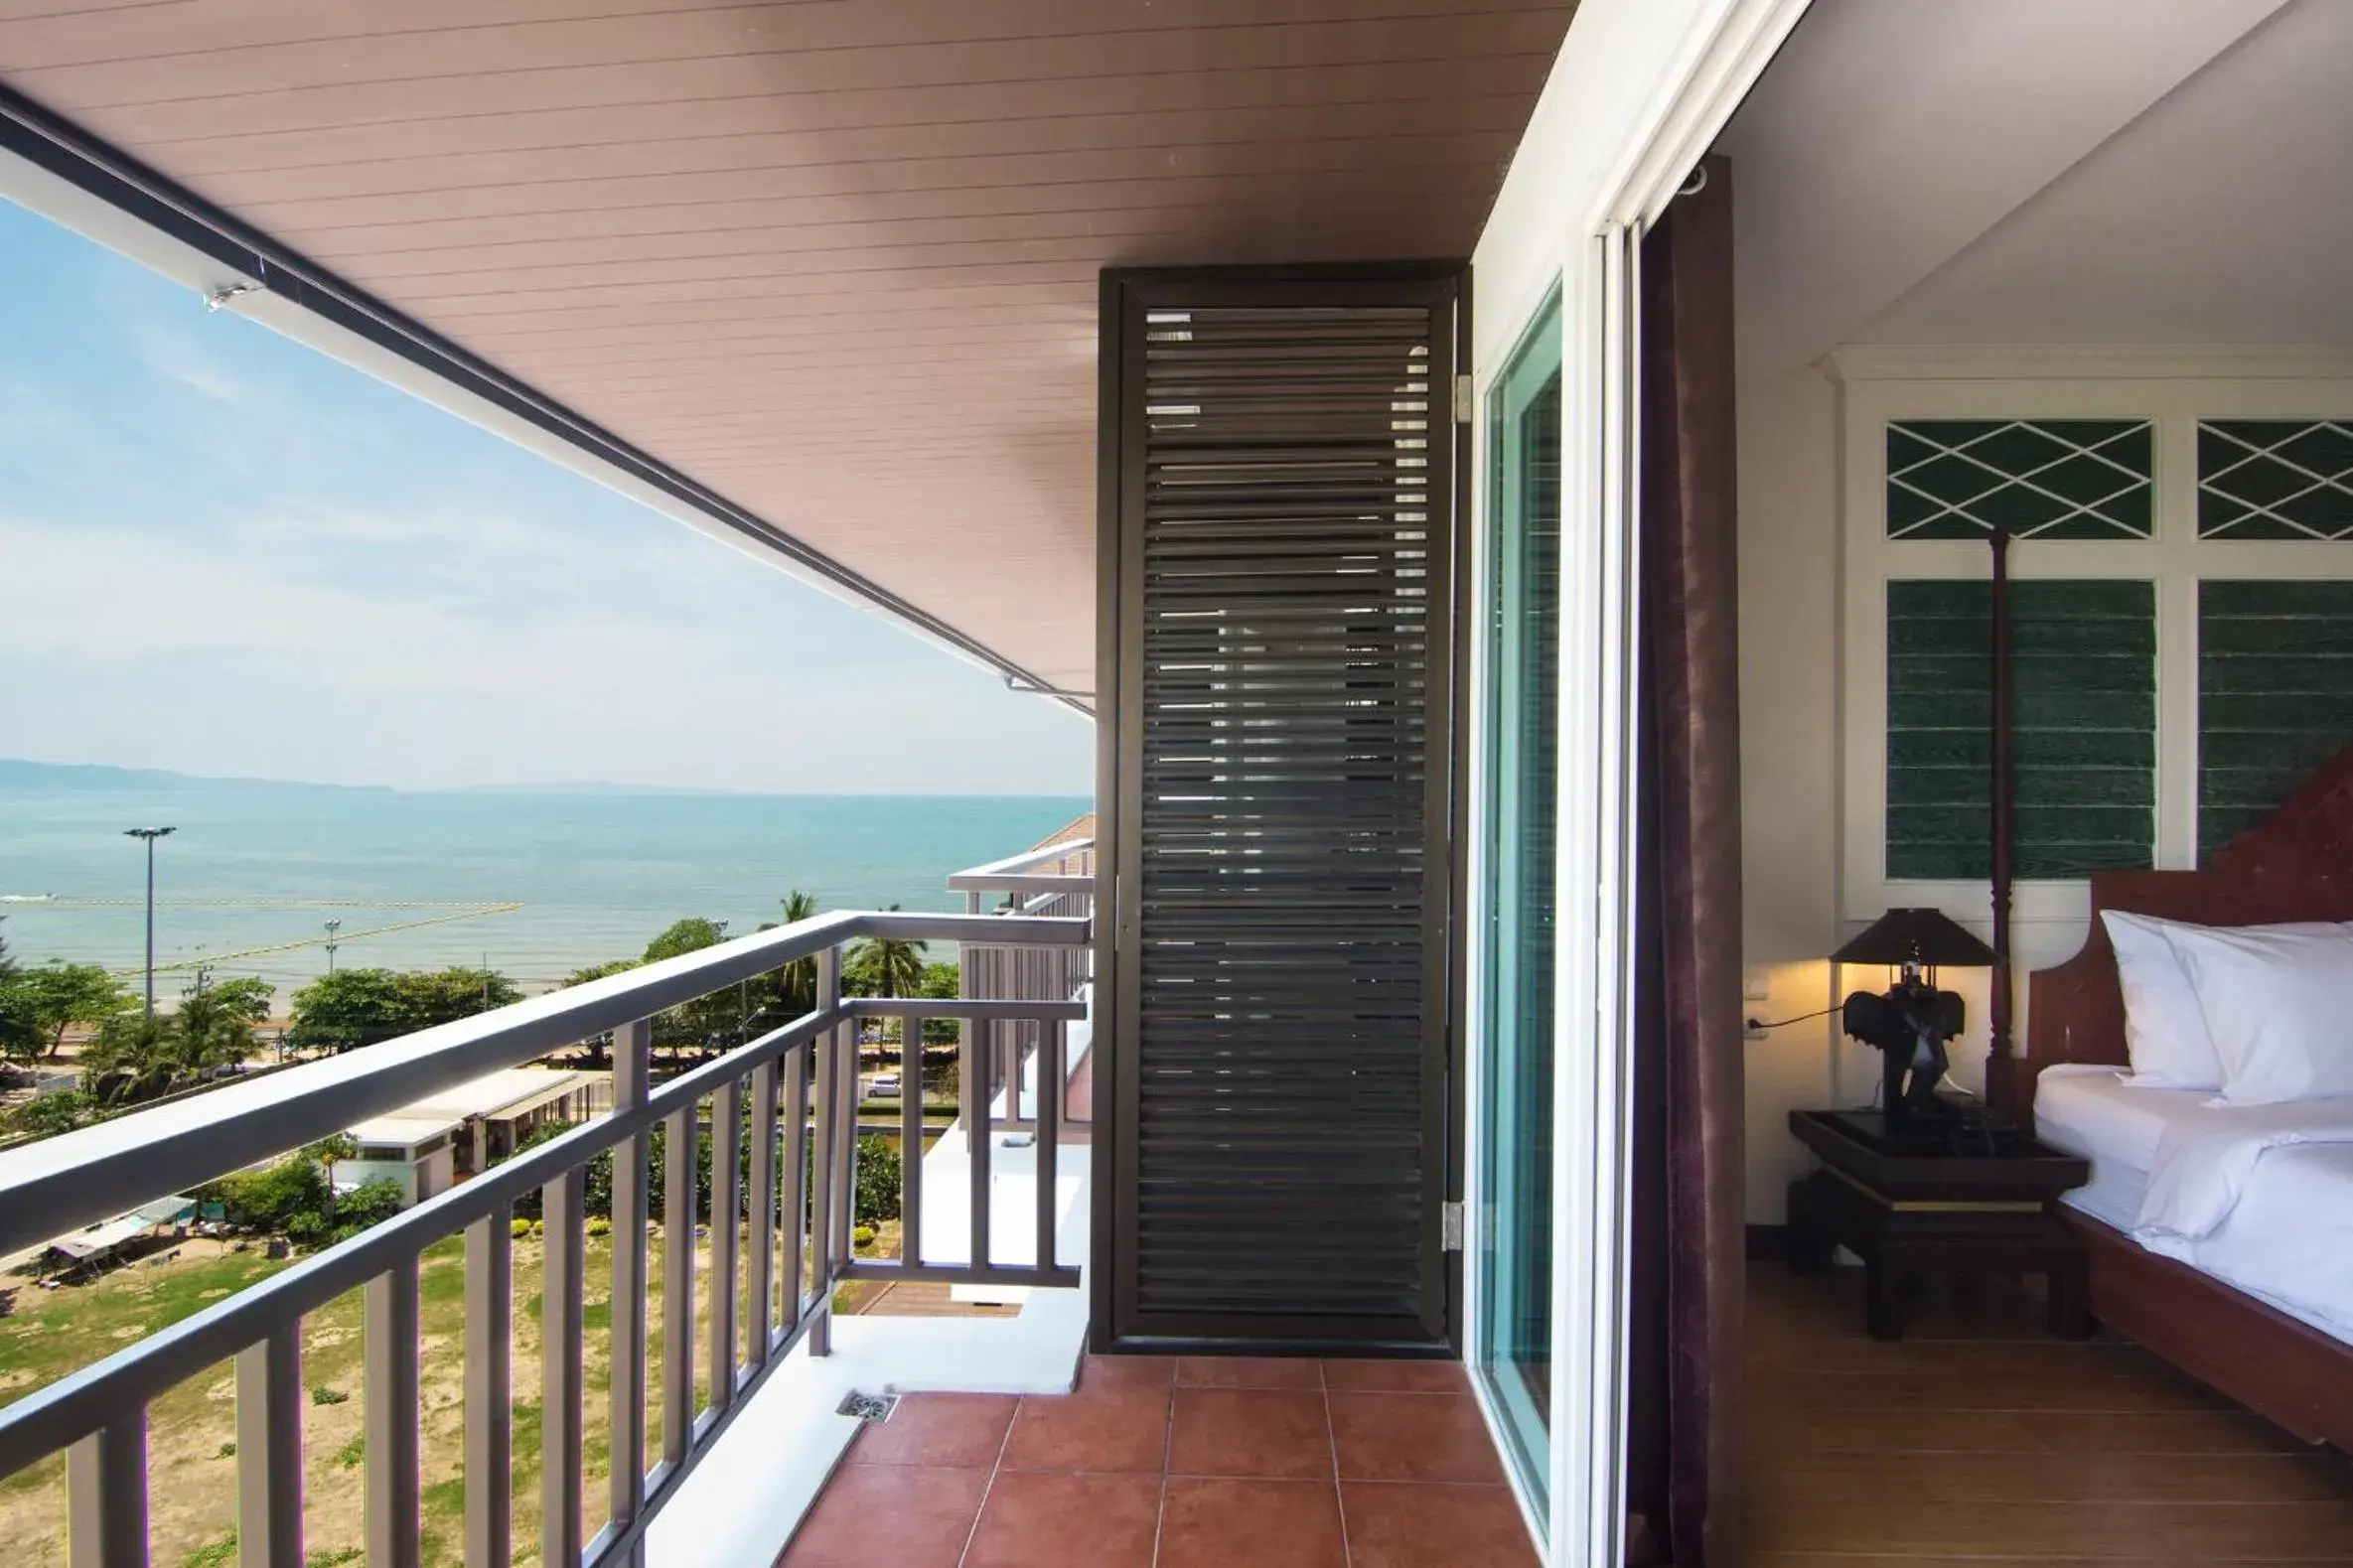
<point>1911,1205</point>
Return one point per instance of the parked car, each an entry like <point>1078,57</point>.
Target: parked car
<point>883,1085</point>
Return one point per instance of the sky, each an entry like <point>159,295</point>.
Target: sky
<point>224,553</point>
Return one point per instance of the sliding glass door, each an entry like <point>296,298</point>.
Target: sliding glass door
<point>1522,765</point>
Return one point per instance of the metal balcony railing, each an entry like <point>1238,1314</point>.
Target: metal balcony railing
<point>1055,880</point>
<point>798,1084</point>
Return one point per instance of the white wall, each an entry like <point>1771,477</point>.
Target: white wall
<point>1793,808</point>
<point>1788,755</point>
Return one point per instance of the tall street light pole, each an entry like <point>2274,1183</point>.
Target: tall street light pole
<point>151,834</point>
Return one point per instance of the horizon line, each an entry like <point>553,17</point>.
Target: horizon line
<point>570,787</point>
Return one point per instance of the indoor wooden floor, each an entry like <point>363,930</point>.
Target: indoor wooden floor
<point>1982,1440</point>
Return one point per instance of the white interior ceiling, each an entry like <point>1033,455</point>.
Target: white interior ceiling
<point>2019,171</point>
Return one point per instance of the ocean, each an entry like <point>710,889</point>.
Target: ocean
<point>425,878</point>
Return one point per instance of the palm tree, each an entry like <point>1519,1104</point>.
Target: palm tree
<point>800,977</point>
<point>888,967</point>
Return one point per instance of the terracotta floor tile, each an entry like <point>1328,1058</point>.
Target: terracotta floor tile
<point>1413,1436</point>
<point>1248,1371</point>
<point>1128,1371</point>
<point>964,1431</point>
<point>1032,1520</point>
<point>1250,1524</point>
<point>1435,1527</point>
<point>1097,1428</point>
<point>1397,1377</point>
<point>1252,1432</point>
<point>907,1515</point>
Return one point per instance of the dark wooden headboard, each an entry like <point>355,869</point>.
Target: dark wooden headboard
<point>2298,865</point>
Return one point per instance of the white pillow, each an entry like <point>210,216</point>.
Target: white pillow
<point>2164,1032</point>
<point>2278,1007</point>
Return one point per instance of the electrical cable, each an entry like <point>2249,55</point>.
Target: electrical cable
<point>1758,1023</point>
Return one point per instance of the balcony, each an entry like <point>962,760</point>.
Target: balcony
<point>771,1420</point>
<point>723,1363</point>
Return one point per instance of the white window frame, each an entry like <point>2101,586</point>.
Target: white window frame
<point>1639,91</point>
<point>2174,389</point>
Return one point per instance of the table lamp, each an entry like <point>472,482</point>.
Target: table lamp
<point>1910,1022</point>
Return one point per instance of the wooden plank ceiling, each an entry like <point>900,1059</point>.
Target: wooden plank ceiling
<point>835,259</point>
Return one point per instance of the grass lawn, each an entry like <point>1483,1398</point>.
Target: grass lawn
<point>192,1453</point>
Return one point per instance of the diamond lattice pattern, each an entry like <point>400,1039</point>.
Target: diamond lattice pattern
<point>2274,478</point>
<point>2053,479</point>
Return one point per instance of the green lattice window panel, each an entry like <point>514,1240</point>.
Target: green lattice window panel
<point>2085,722</point>
<point>2040,479</point>
<point>2274,478</point>
<point>2274,696</point>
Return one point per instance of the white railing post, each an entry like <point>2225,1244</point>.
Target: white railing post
<point>560,1331</point>
<point>828,1089</point>
<point>106,1495</point>
<point>794,1231</point>
<point>388,1381</point>
<point>972,1082</point>
<point>911,1140</point>
<point>1050,1037</point>
<point>269,1451</point>
<point>633,1051</point>
<point>680,1136</point>
<point>760,1273</point>
<point>727,1141</point>
<point>490,1390</point>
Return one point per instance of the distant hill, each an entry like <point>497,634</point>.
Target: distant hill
<point>17,774</point>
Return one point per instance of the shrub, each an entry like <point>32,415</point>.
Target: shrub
<point>273,1198</point>
<point>863,1235</point>
<point>519,1228</point>
<point>371,1204</point>
<point>600,1227</point>
<point>52,1114</point>
<point>877,1178</point>
<point>321,1394</point>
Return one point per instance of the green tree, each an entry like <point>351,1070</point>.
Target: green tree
<point>361,1006</point>
<point>942,982</point>
<point>214,1027</point>
<point>706,1021</point>
<point>20,1024</point>
<point>328,1152</point>
<point>133,1058</point>
<point>137,1058</point>
<point>60,995</point>
<point>798,979</point>
<point>692,935</point>
<point>884,967</point>
<point>49,1115</point>
<point>348,1009</point>
<point>600,971</point>
<point>443,996</point>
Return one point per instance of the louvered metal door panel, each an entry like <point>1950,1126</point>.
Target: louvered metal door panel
<point>1291,488</point>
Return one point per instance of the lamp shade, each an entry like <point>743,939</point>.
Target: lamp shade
<point>1922,936</point>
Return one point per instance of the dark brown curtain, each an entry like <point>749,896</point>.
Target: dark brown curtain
<point>1686,1446</point>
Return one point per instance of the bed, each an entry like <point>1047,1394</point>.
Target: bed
<point>2259,1305</point>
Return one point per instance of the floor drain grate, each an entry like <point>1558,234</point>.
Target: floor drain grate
<point>871,1408</point>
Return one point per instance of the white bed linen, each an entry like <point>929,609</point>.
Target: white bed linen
<point>2286,1238</point>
